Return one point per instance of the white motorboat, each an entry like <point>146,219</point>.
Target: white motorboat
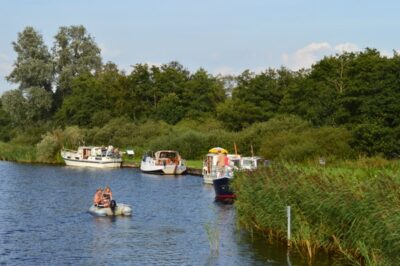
<point>120,209</point>
<point>90,156</point>
<point>235,162</point>
<point>165,162</point>
<point>211,171</point>
<point>251,163</point>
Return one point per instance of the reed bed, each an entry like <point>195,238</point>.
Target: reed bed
<point>351,212</point>
<point>16,152</point>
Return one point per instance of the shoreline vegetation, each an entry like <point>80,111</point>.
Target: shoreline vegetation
<point>350,210</point>
<point>28,154</point>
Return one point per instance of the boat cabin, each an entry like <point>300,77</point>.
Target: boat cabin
<point>251,163</point>
<point>167,157</point>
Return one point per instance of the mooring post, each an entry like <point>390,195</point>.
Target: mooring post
<point>288,225</point>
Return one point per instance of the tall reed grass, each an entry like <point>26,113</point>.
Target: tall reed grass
<point>351,212</point>
<point>17,152</point>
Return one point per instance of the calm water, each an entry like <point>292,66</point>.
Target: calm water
<point>44,221</point>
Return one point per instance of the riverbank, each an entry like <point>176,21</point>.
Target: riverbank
<point>27,154</point>
<point>17,153</point>
<point>351,211</point>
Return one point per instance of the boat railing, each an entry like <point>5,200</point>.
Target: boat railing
<point>68,151</point>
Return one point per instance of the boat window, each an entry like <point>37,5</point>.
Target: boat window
<point>248,163</point>
<point>235,163</point>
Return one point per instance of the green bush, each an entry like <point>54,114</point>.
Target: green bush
<point>190,144</point>
<point>29,135</point>
<point>72,137</point>
<point>253,137</point>
<point>47,149</point>
<point>331,143</point>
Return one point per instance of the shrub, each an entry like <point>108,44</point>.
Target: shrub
<point>47,149</point>
<point>252,137</point>
<point>309,144</point>
<point>71,137</point>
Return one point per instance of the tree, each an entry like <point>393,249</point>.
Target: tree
<point>34,66</point>
<point>140,93</point>
<point>13,103</point>
<point>5,124</point>
<point>256,98</point>
<point>202,94</point>
<point>27,107</point>
<point>169,109</point>
<point>75,52</point>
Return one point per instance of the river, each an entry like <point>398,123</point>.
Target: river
<point>44,220</point>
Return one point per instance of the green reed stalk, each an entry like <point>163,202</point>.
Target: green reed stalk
<point>20,153</point>
<point>353,213</point>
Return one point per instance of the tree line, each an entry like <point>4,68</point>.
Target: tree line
<point>354,93</point>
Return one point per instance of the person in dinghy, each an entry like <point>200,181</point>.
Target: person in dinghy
<point>97,198</point>
<point>103,198</point>
<point>104,205</point>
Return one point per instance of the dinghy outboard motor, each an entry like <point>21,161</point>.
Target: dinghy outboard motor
<point>113,205</point>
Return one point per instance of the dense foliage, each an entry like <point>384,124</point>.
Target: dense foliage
<point>345,105</point>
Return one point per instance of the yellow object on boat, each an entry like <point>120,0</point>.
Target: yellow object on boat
<point>218,149</point>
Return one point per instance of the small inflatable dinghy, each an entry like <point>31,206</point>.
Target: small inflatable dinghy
<point>119,209</point>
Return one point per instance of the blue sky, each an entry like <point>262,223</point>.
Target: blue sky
<point>221,36</point>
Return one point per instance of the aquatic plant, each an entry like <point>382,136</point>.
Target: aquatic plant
<point>213,235</point>
<point>351,212</point>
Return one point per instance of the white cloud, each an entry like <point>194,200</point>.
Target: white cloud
<point>225,70</point>
<point>156,64</point>
<point>346,47</point>
<point>306,56</point>
<point>310,54</point>
<point>391,53</point>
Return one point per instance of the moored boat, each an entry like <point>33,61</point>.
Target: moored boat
<point>211,171</point>
<point>222,188</point>
<point>221,181</point>
<point>251,162</point>
<point>90,156</point>
<point>120,209</point>
<point>165,162</point>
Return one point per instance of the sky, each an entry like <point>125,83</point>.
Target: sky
<point>221,36</point>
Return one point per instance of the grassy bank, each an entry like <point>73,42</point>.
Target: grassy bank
<point>18,153</point>
<point>26,154</point>
<point>352,211</point>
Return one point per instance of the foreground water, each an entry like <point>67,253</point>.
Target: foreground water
<point>44,221</point>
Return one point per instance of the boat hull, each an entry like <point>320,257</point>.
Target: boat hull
<point>120,209</point>
<point>208,179</point>
<point>96,164</point>
<point>223,190</point>
<point>163,170</point>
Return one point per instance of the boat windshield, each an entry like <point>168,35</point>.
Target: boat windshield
<point>168,155</point>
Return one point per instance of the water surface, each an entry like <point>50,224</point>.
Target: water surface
<point>44,221</point>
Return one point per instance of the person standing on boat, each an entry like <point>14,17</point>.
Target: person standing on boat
<point>98,197</point>
<point>221,163</point>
